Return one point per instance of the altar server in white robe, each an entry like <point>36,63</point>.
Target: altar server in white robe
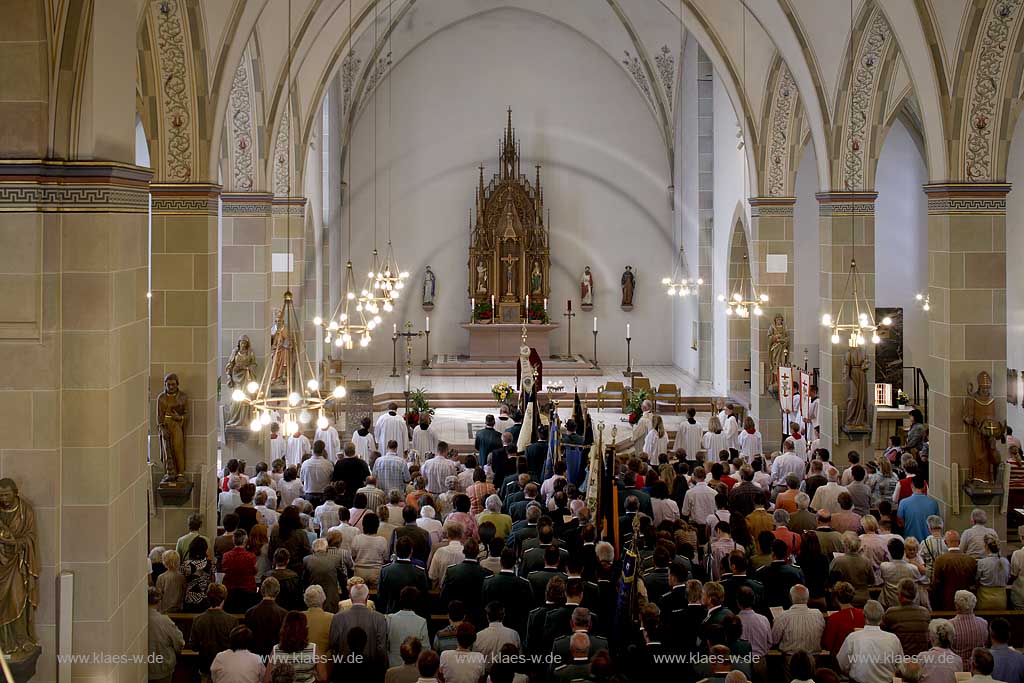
<point>689,435</point>
<point>278,442</point>
<point>656,441</point>
<point>331,441</point>
<point>731,426</point>
<point>750,440</point>
<point>714,440</point>
<point>391,426</point>
<point>811,419</point>
<point>424,438</point>
<point>298,446</point>
<point>796,413</point>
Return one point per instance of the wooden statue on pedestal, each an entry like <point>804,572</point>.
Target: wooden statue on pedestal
<point>509,258</point>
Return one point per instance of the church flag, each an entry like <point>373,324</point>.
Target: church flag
<point>577,412</point>
<point>593,486</point>
<point>553,443</point>
<point>529,429</point>
<point>626,603</point>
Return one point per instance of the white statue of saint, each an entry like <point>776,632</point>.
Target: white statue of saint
<point>587,288</point>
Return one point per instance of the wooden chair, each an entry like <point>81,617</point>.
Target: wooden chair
<point>642,383</point>
<point>667,394</point>
<point>614,390</point>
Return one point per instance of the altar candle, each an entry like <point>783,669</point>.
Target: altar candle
<point>428,323</point>
<point>472,305</point>
<point>406,382</point>
<point>568,304</point>
<point>545,305</point>
<point>628,335</point>
<point>394,328</point>
<point>527,304</point>
<point>492,303</point>
<point>595,323</point>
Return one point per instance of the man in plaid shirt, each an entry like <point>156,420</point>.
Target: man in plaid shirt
<point>391,470</point>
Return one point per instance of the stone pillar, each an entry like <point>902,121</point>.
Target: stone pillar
<point>73,323</point>
<point>288,213</point>
<point>847,221</point>
<point>705,216</point>
<point>184,336</point>
<point>967,329</point>
<point>771,224</point>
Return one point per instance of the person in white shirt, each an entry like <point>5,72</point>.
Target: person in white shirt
<point>428,522</point>
<point>332,442</point>
<point>237,664</point>
<point>689,435</point>
<point>972,540</point>
<point>699,501</point>
<point>228,500</point>
<point>278,443</point>
<point>391,427</point>
<point>731,427</point>
<point>750,445</point>
<point>290,487</point>
<point>798,440</point>
<point>448,555</point>
<point>297,447</point>
<point>827,497</point>
<point>347,531</point>
<point>267,514</point>
<point>799,627</point>
<point>438,469</point>
<point>264,484</point>
<point>364,441</point>
<point>787,463</point>
<point>715,441</point>
<point>327,515</point>
<point>870,655</point>
<point>490,640</point>
<point>316,474</point>
<point>811,418</point>
<point>656,441</point>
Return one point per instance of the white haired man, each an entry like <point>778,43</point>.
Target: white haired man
<point>870,655</point>
<point>972,540</point>
<point>318,621</point>
<point>799,627</point>
<point>970,630</point>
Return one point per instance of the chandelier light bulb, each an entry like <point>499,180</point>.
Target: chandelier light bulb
<point>764,298</point>
<point>377,319</point>
<point>305,417</point>
<point>333,327</point>
<point>758,311</point>
<point>339,391</point>
<point>321,422</point>
<point>666,280</point>
<point>252,387</point>
<point>255,425</point>
<point>313,385</point>
<point>860,339</point>
<point>700,281</point>
<point>339,341</point>
<point>671,291</point>
<point>875,338</point>
<point>371,324</point>
<point>237,395</point>
<point>317,320</point>
<point>728,311</point>
<point>364,342</point>
<point>395,294</point>
<point>737,296</point>
<point>388,307</point>
<point>887,321</point>
<point>265,418</point>
<point>919,296</point>
<point>350,295</point>
<point>721,297</point>
<point>927,306</point>
<point>293,398</point>
<point>863,318</point>
<point>404,274</point>
<point>835,338</point>
<point>826,320</point>
<point>346,337</point>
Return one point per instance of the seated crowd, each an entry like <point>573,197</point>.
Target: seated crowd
<point>330,568</point>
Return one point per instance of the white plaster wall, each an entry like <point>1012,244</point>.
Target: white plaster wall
<point>1015,268</point>
<point>901,239</point>
<point>687,209</point>
<point>605,176</point>
<point>729,191</point>
<point>807,263</point>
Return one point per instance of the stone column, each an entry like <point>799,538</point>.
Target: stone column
<point>184,336</point>
<point>847,221</point>
<point>771,224</point>
<point>73,323</point>
<point>967,329</point>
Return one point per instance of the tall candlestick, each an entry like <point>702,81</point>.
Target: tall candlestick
<point>394,328</point>
<point>527,306</point>
<point>545,305</point>
<point>568,304</point>
<point>595,323</point>
<point>428,324</point>
<point>492,305</point>
<point>628,335</point>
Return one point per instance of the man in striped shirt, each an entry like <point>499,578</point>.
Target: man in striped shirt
<point>391,469</point>
<point>438,469</point>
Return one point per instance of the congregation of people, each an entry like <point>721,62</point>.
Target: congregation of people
<point>333,558</point>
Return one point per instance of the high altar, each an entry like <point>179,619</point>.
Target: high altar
<point>509,259</point>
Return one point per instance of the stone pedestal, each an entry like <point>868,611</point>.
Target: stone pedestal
<point>499,341</point>
<point>357,404</point>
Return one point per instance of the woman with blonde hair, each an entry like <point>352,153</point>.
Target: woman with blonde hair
<point>714,440</point>
<point>346,604</point>
<point>993,575</point>
<point>171,583</point>
<point>750,440</point>
<point>885,484</point>
<point>912,554</point>
<point>656,441</point>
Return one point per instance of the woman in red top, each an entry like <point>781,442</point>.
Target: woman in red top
<point>842,622</point>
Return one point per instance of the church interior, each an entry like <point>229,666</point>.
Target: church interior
<point>223,216</point>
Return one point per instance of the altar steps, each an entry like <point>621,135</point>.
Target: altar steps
<point>456,365</point>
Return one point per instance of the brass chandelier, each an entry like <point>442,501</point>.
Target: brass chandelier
<point>678,285</point>
<point>738,303</point>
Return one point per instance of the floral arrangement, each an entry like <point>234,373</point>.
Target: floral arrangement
<point>483,311</point>
<point>902,398</point>
<point>419,405</point>
<point>536,313</point>
<point>502,391</point>
<point>634,405</point>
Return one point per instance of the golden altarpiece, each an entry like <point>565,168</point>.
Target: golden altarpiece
<point>509,257</point>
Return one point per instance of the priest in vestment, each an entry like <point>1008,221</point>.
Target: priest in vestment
<point>391,427</point>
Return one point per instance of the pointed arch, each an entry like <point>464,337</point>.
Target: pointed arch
<point>867,72</point>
